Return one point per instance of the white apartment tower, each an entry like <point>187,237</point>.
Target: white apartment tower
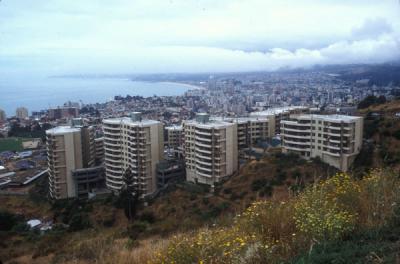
<point>135,143</point>
<point>336,139</point>
<point>211,149</point>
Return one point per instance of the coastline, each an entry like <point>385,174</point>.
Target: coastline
<point>194,87</point>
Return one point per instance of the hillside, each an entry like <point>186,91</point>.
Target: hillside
<point>194,206</point>
<point>382,137</point>
<point>271,188</point>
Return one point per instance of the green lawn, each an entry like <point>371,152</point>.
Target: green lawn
<point>11,144</point>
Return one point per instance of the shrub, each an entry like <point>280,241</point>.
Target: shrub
<point>7,220</point>
<point>258,184</point>
<point>148,217</point>
<point>135,229</point>
<point>79,221</point>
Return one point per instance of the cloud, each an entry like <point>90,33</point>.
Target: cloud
<point>63,36</point>
<point>372,28</point>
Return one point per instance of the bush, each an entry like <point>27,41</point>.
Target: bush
<point>137,228</point>
<point>227,191</point>
<point>79,222</point>
<point>148,217</point>
<point>7,220</point>
<point>258,184</point>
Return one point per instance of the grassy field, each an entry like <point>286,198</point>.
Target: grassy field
<point>11,144</point>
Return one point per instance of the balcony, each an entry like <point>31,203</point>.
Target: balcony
<point>303,143</point>
<point>204,133</point>
<point>203,174</point>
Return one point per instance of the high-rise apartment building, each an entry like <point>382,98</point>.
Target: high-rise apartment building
<point>22,113</point>
<point>251,130</point>
<point>280,113</point>
<point>3,116</point>
<point>211,149</point>
<point>68,149</point>
<point>336,139</point>
<point>135,143</point>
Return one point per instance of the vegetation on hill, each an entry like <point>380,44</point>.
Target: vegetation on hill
<point>319,218</point>
<point>277,209</point>
<point>371,100</point>
<point>381,146</point>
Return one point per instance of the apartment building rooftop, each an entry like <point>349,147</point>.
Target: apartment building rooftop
<point>129,121</point>
<point>210,124</point>
<point>240,119</point>
<point>174,127</point>
<point>277,110</point>
<point>330,118</point>
<point>62,130</point>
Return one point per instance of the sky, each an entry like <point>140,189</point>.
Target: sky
<point>55,37</point>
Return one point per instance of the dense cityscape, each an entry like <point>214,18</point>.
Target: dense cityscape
<point>260,108</point>
<point>199,132</point>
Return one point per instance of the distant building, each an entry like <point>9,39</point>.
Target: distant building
<point>3,117</point>
<point>280,113</point>
<point>170,171</point>
<point>251,130</point>
<point>210,149</point>
<point>174,136</point>
<point>63,112</point>
<point>136,143</point>
<point>22,113</point>
<point>336,139</point>
<point>99,143</point>
<point>70,151</point>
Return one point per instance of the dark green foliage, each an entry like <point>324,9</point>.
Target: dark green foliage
<point>258,184</point>
<point>39,192</point>
<point>215,211</point>
<point>287,160</point>
<point>193,197</point>
<point>21,227</point>
<point>7,220</point>
<point>263,186</point>
<point>129,196</point>
<point>227,191</point>
<point>364,158</point>
<point>79,222</point>
<point>296,174</point>
<point>137,228</point>
<point>281,176</point>
<point>74,213</point>
<point>148,217</point>
<point>30,131</point>
<point>371,100</point>
<point>396,134</point>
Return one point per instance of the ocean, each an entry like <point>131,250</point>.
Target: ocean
<point>42,93</point>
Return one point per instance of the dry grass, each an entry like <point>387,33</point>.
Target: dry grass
<point>272,231</point>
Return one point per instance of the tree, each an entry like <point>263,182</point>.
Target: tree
<point>129,194</point>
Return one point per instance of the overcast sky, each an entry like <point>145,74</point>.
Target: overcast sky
<point>144,36</point>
